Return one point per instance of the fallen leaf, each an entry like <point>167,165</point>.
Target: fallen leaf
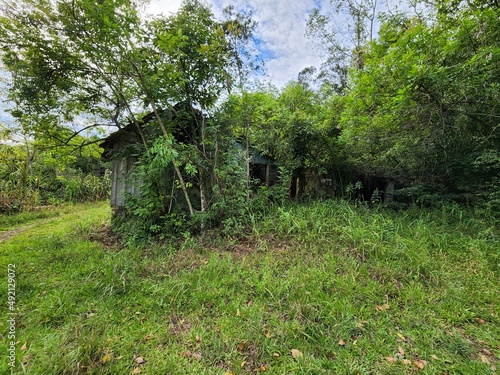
<point>276,355</point>
<point>486,351</point>
<point>187,354</point>
<point>419,363</point>
<point>485,359</point>
<point>391,360</point>
<point>243,364</point>
<point>137,370</point>
<point>268,335</point>
<point>198,338</point>
<point>27,358</point>
<point>147,337</point>
<point>262,368</point>
<point>341,342</point>
<point>238,313</point>
<point>480,321</point>
<point>197,356</point>
<point>401,351</point>
<point>383,307</point>
<point>297,354</point>
<point>435,357</point>
<point>106,358</point>
<point>241,346</point>
<point>140,360</point>
<point>401,336</point>
<point>406,361</point>
<point>25,346</point>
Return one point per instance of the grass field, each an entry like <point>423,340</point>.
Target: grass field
<point>323,288</point>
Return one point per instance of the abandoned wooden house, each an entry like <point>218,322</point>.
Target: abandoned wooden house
<point>125,146</point>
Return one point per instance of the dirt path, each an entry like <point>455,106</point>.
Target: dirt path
<point>7,234</point>
<point>65,214</point>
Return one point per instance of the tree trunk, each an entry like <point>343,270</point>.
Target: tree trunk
<point>164,131</point>
<point>247,159</point>
<point>174,162</point>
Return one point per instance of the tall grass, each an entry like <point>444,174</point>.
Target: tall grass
<point>353,289</point>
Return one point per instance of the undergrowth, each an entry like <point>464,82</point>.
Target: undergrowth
<point>322,288</point>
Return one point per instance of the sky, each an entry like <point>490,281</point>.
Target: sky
<point>5,117</point>
<point>280,32</point>
<point>280,35</point>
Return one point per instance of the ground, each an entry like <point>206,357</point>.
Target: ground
<point>325,288</point>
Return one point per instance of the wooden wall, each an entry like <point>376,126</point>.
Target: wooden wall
<point>122,180</point>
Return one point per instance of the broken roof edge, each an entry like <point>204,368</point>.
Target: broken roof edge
<point>130,129</point>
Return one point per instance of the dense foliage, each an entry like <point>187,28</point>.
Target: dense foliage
<point>411,106</point>
<point>424,110</point>
<point>34,174</point>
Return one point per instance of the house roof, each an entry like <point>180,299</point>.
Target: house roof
<point>130,134</point>
<point>127,133</point>
<point>256,157</point>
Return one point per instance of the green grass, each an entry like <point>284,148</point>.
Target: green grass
<point>8,221</point>
<point>423,283</point>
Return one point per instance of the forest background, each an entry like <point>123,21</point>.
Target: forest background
<point>408,97</point>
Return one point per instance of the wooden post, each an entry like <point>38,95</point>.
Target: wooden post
<point>267,174</point>
<point>389,192</point>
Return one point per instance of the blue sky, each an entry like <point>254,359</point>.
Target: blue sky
<point>281,30</point>
<point>280,34</point>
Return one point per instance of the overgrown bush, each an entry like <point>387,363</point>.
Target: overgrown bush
<point>158,210</point>
<point>43,177</point>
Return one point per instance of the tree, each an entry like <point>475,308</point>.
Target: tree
<point>188,65</point>
<point>423,111</point>
<point>239,28</point>
<point>296,127</point>
<point>63,59</point>
<point>346,47</point>
<point>74,60</point>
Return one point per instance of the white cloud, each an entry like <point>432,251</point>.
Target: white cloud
<point>163,6</point>
<point>281,30</point>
